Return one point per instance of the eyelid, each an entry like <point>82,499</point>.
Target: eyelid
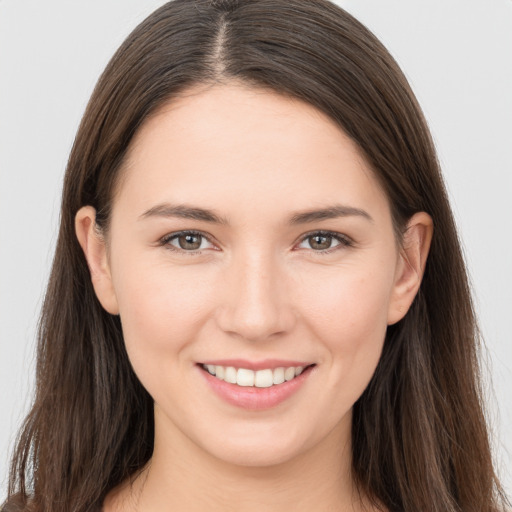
<point>344,240</point>
<point>166,239</point>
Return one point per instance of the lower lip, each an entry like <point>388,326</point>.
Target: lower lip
<point>253,398</point>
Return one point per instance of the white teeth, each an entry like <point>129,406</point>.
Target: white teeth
<point>219,372</point>
<point>244,377</point>
<point>263,379</point>
<point>289,373</point>
<point>250,378</point>
<point>278,376</point>
<point>230,375</point>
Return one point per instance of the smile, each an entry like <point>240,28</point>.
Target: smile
<point>244,377</point>
<point>267,384</point>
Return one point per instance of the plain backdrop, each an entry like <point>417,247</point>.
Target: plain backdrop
<point>457,55</point>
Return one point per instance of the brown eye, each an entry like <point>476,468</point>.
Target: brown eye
<point>189,242</point>
<point>320,242</point>
<point>325,242</point>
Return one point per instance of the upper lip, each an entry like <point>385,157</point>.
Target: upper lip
<point>256,365</point>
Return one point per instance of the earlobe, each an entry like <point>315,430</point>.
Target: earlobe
<point>411,265</point>
<point>95,251</point>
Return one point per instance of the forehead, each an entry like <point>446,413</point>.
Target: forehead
<point>218,143</point>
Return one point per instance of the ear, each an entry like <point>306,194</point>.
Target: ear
<point>411,265</point>
<point>94,246</point>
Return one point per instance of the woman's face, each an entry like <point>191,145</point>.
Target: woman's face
<point>248,234</point>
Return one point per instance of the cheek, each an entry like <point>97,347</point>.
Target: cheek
<point>349,301</point>
<point>348,316</point>
<point>161,311</point>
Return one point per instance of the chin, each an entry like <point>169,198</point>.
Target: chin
<point>262,447</point>
<point>258,456</point>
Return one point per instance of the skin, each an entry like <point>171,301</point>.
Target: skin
<point>257,289</point>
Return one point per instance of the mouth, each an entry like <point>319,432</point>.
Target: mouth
<point>263,378</point>
<point>256,389</point>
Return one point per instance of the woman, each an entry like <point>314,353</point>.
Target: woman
<point>258,297</point>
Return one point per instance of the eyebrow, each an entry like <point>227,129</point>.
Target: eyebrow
<point>331,212</point>
<point>184,211</point>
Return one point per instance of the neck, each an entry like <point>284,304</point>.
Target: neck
<point>182,476</point>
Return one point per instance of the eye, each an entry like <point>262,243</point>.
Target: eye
<point>186,241</point>
<point>324,241</point>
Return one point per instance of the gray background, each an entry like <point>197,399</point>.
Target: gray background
<point>457,55</point>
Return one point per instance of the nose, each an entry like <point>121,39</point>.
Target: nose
<point>255,302</point>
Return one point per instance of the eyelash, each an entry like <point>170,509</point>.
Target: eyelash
<point>165,241</point>
<point>344,241</point>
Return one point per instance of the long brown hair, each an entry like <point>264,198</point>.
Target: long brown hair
<point>420,440</point>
